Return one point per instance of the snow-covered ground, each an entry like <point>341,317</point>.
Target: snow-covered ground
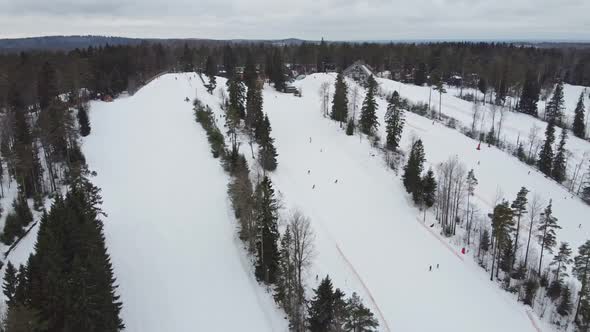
<point>496,170</point>
<point>170,230</point>
<point>369,238</point>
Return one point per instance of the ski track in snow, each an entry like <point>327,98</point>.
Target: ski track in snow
<point>169,229</point>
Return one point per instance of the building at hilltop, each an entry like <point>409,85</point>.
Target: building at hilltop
<point>359,71</point>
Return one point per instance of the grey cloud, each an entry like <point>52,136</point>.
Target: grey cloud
<point>310,19</point>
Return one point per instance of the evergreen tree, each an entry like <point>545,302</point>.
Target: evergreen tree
<point>502,226</point>
<point>321,310</point>
<point>482,86</point>
<point>554,107</point>
<point>530,290</point>
<point>340,100</point>
<point>267,153</point>
<point>564,307</point>
<point>507,256</point>
<point>579,127</point>
<point>10,282</point>
<point>47,85</point>
<point>558,172</point>
<point>70,280</point>
<point>341,312</point>
<point>229,61</point>
<point>368,119</point>
<point>237,96</point>
<point>250,72</point>
<point>187,59</point>
<point>484,243</point>
<point>394,122</point>
<point>560,261</point>
<point>545,161</point>
<point>350,127</point>
<point>530,95</point>
<point>83,121</point>
<point>266,214</point>
<point>285,290</point>
<point>360,318</point>
<point>547,226</point>
<point>428,190</point>
<point>413,169</point>
<point>581,270</point>
<point>519,206</point>
<point>211,72</point>
<point>278,75</point>
<point>420,74</point>
<point>254,115</point>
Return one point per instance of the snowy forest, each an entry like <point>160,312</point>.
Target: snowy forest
<point>476,155</point>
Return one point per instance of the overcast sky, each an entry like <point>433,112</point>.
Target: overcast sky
<point>307,19</point>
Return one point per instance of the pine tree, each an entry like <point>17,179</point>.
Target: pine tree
<point>519,206</point>
<point>555,105</point>
<point>368,119</point>
<point>413,169</point>
<point>254,115</point>
<point>428,190</point>
<point>350,127</point>
<point>187,59</point>
<point>484,243</point>
<point>237,96</point>
<point>579,127</point>
<point>278,75</point>
<point>285,290</point>
<point>340,101</point>
<point>560,261</point>
<point>321,310</point>
<point>211,71</point>
<point>482,86</point>
<point>558,172</point>
<point>547,226</point>
<point>10,282</point>
<point>420,74</point>
<point>394,122</point>
<point>47,85</point>
<point>564,307</point>
<point>267,153</point>
<point>530,290</point>
<point>581,270</point>
<point>502,226</point>
<point>530,96</point>
<point>250,72</point>
<point>360,318</point>
<point>229,61</point>
<point>267,253</point>
<point>83,121</point>
<point>545,161</point>
<point>341,312</point>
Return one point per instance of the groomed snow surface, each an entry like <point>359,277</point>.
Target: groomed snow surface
<point>172,237</point>
<point>170,230</point>
<point>368,237</point>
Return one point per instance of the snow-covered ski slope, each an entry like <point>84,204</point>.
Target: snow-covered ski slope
<point>170,230</point>
<point>368,237</point>
<point>496,170</point>
<point>516,126</point>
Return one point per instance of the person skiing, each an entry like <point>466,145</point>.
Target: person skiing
<point>430,268</point>
<point>437,265</point>
<point>336,181</point>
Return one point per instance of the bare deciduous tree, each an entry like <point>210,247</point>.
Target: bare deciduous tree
<point>303,254</point>
<point>325,97</point>
<point>535,206</point>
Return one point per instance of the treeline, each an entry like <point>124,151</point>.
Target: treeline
<point>39,146</point>
<point>67,284</point>
<point>503,68</point>
<point>280,260</point>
